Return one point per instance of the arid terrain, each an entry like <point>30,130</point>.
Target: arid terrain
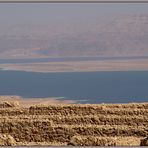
<point>120,36</point>
<point>57,124</point>
<point>103,50</point>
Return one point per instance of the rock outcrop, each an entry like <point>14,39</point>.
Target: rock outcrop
<point>144,142</point>
<point>7,140</point>
<point>7,104</point>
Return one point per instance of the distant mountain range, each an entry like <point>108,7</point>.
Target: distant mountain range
<point>124,36</point>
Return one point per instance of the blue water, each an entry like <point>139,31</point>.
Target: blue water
<point>95,87</point>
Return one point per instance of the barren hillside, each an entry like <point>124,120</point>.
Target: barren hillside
<point>74,124</point>
<point>122,36</point>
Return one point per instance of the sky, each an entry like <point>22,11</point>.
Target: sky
<point>49,13</point>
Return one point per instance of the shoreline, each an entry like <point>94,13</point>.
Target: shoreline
<point>79,66</point>
<point>27,102</point>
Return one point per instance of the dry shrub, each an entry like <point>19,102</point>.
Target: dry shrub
<point>83,120</point>
<point>84,110</point>
<point>71,110</point>
<point>100,120</point>
<point>26,129</point>
<point>73,124</point>
<point>13,111</point>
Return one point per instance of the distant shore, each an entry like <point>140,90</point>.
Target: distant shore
<point>80,66</point>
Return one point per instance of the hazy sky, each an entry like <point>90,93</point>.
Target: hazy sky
<point>12,14</point>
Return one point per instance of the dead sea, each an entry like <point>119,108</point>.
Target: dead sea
<point>84,87</point>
